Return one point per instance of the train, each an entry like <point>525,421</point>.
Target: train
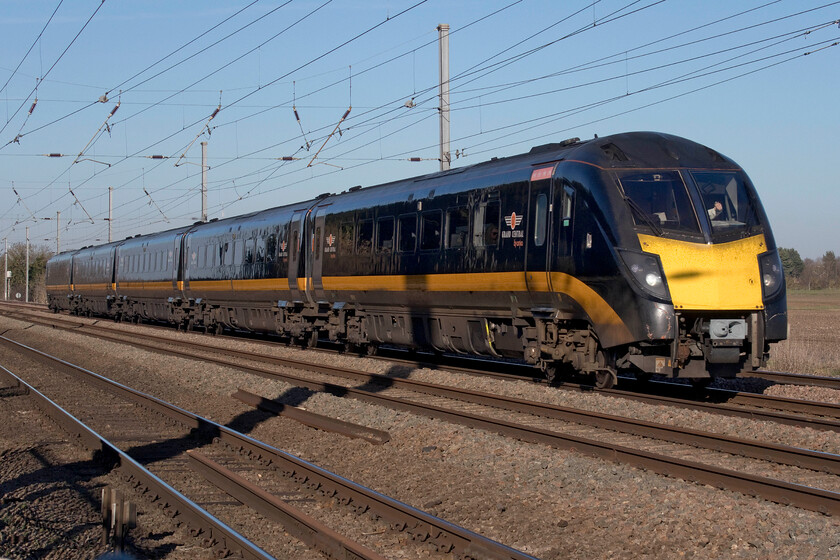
<point>641,251</point>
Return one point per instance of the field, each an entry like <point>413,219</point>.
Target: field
<point>814,342</point>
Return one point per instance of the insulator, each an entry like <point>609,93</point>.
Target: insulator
<point>117,106</point>
<point>287,158</point>
<point>345,114</point>
<point>216,112</point>
<point>55,155</point>
<point>415,159</point>
<point>296,114</point>
<point>33,105</point>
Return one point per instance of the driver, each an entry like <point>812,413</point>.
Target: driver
<point>716,210</point>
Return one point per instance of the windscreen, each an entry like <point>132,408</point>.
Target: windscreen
<point>727,202</point>
<point>659,200</point>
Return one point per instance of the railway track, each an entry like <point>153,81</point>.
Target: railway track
<point>535,430</point>
<point>230,446</point>
<point>216,533</point>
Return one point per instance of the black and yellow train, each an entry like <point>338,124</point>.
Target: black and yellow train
<point>638,251</point>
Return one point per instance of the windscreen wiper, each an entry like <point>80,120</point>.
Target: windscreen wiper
<point>643,215</point>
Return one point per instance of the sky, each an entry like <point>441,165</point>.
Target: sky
<point>127,92</point>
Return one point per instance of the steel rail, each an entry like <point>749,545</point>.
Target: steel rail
<point>421,525</point>
<point>309,418</point>
<point>217,532</point>
<point>796,378</point>
<point>303,527</point>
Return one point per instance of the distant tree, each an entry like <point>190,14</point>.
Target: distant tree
<point>810,277</point>
<point>831,269</point>
<point>38,257</point>
<point>791,262</point>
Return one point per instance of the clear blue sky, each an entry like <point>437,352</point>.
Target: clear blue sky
<point>523,73</point>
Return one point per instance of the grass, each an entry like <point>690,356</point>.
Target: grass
<point>814,343</point>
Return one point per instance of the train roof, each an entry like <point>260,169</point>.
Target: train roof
<point>646,150</point>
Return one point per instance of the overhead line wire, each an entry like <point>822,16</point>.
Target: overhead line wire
<point>35,42</point>
<point>295,70</point>
<point>101,3</point>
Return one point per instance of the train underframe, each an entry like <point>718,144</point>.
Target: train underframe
<point>708,346</point>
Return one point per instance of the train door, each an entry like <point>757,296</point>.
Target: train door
<point>297,257</point>
<point>179,260</point>
<point>564,240</point>
<point>538,234</point>
<point>315,257</point>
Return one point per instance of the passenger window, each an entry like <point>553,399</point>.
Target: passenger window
<point>227,251</point>
<point>408,233</point>
<point>259,243</point>
<point>365,240</point>
<point>385,235</point>
<point>457,227</point>
<point>486,233</point>
<point>345,238</point>
<point>431,231</point>
<point>249,251</point>
<point>270,248</point>
<point>540,220</point>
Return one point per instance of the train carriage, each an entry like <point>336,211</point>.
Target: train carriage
<point>93,289</point>
<point>149,275</point>
<point>236,272</point>
<point>59,281</point>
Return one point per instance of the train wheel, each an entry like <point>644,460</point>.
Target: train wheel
<point>372,349</point>
<point>605,379</point>
<point>350,348</point>
<point>219,329</point>
<point>550,372</point>
<point>312,339</point>
<point>190,326</point>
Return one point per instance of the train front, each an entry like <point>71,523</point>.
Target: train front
<point>707,249</point>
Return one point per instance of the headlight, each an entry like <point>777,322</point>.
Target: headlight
<point>647,272</point>
<point>772,274</point>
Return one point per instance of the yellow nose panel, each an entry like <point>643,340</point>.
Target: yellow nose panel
<point>703,276</point>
